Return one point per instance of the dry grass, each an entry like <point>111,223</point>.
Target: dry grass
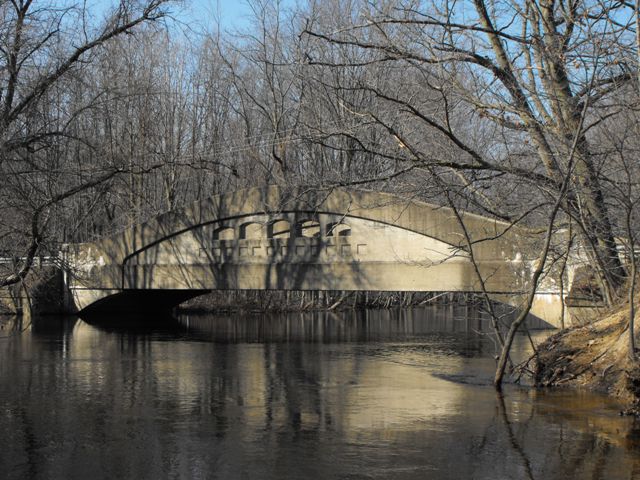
<point>594,356</point>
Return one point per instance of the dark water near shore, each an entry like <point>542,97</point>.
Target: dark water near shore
<point>402,394</point>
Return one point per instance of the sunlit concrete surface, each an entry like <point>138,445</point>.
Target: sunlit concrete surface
<point>273,238</point>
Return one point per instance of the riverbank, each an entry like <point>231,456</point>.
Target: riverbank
<point>593,357</point>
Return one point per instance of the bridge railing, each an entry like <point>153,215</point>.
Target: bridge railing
<point>39,261</point>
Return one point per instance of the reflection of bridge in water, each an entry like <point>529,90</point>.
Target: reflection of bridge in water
<point>361,325</point>
<point>273,239</point>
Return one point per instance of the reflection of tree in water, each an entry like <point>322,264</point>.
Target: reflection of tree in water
<point>297,382</point>
<point>226,406</point>
<point>456,327</point>
<point>632,444</point>
<point>513,442</point>
<point>543,450</point>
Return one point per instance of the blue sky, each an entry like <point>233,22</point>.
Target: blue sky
<point>230,13</point>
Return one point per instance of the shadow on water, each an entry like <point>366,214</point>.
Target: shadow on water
<point>137,323</point>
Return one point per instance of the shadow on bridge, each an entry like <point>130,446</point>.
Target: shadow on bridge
<point>276,239</point>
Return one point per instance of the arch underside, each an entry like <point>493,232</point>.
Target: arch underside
<point>138,301</point>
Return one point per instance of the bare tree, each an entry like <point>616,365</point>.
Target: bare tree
<point>520,73</point>
<point>42,48</point>
<point>618,137</point>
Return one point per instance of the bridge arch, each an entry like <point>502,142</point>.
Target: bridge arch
<point>224,232</point>
<point>251,230</point>
<point>308,228</point>
<point>338,229</point>
<point>279,228</point>
<point>355,240</point>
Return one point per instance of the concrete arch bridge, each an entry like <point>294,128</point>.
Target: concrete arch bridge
<point>282,239</point>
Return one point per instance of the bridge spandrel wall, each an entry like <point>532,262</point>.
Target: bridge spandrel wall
<point>301,251</point>
<point>435,222</point>
<point>294,238</point>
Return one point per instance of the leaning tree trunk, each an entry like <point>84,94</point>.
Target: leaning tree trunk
<point>597,230</point>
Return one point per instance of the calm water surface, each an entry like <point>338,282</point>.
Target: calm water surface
<point>401,394</point>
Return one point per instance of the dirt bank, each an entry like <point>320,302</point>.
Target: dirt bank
<point>595,357</point>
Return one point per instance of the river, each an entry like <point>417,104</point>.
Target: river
<point>394,394</point>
